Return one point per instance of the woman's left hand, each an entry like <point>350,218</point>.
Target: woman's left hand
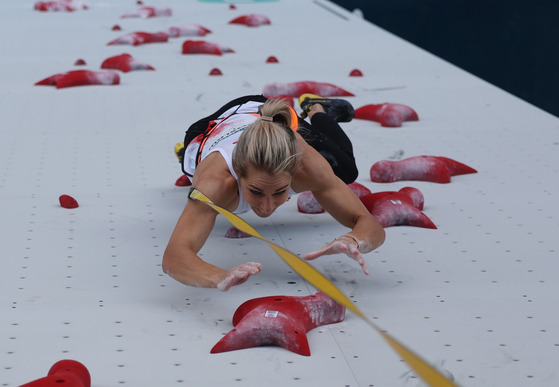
<point>343,245</point>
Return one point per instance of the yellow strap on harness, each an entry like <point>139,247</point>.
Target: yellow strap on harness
<point>428,373</point>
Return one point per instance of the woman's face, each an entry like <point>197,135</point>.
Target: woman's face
<point>264,192</point>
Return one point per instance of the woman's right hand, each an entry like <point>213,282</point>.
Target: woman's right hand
<point>238,275</point>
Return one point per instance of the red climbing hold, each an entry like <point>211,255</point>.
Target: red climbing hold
<point>215,71</point>
<point>137,38</point>
<point>252,20</point>
<point>235,233</point>
<point>68,373</point>
<point>387,114</point>
<point>79,62</point>
<point>116,27</point>
<point>125,63</point>
<point>296,89</point>
<point>188,30</point>
<point>203,47</point>
<point>355,73</point>
<point>183,181</point>
<point>81,78</point>
<point>280,320</point>
<point>272,59</point>
<point>67,201</point>
<point>435,169</point>
<point>147,12</point>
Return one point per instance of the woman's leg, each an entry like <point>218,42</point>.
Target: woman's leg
<point>326,136</point>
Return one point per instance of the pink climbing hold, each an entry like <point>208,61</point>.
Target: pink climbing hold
<point>188,30</point>
<point>235,233</point>
<point>125,63</point>
<point>435,169</point>
<point>272,59</point>
<point>183,181</point>
<point>296,89</point>
<point>252,20</point>
<point>215,71</point>
<point>59,5</point>
<point>403,207</point>
<point>355,73</point>
<point>396,210</point>
<point>307,203</point>
<point>413,197</point>
<point>147,12</point>
<point>67,201</point>
<point>138,38</point>
<point>387,114</point>
<point>81,78</point>
<point>79,62</point>
<point>203,47</point>
<point>280,320</point>
<point>358,189</point>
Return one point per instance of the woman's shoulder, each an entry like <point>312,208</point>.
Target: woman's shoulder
<point>314,172</point>
<point>213,178</point>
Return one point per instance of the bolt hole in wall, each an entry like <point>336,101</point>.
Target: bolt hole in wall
<point>512,46</point>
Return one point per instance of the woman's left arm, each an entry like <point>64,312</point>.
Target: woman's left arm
<point>339,201</point>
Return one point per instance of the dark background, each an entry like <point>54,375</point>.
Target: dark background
<point>513,44</point>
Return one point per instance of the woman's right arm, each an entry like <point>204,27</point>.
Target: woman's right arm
<point>181,261</point>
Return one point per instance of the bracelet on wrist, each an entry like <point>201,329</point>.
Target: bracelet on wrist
<point>353,239</point>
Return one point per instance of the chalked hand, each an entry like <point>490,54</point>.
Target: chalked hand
<point>343,245</point>
<point>238,275</point>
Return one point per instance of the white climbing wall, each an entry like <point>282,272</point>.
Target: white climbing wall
<point>478,297</point>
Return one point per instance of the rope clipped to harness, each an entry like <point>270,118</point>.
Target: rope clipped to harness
<point>428,373</point>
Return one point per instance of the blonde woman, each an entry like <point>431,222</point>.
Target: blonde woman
<point>253,154</point>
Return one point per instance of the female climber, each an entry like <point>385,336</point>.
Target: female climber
<point>253,154</point>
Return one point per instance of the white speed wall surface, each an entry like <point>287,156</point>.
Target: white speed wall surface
<point>478,297</point>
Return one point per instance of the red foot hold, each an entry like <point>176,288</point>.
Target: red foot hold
<point>252,20</point>
<point>280,320</point>
<point>147,12</point>
<point>183,181</point>
<point>232,6</point>
<point>296,89</point>
<point>81,78</point>
<point>392,208</point>
<point>355,73</point>
<point>387,114</point>
<point>79,62</point>
<point>235,233</point>
<point>203,47</point>
<point>435,169</point>
<point>116,27</point>
<point>68,373</point>
<point>137,38</point>
<point>216,71</point>
<point>125,63</point>
<point>67,201</point>
<point>188,30</point>
<point>272,59</point>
